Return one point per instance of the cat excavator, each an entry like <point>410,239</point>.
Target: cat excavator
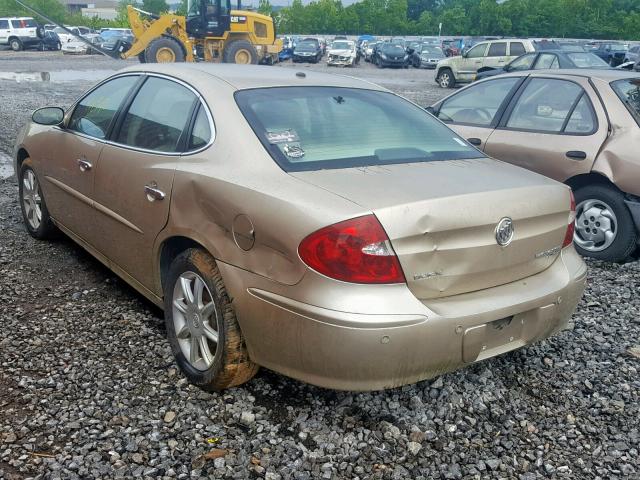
<point>211,32</point>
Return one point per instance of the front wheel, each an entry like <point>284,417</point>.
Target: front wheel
<point>164,50</point>
<point>446,79</point>
<point>34,209</point>
<point>604,227</point>
<point>201,325</point>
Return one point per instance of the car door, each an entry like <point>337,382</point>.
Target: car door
<point>473,112</point>
<point>471,62</point>
<point>554,126</point>
<point>496,55</point>
<point>135,174</point>
<point>4,31</point>
<point>75,150</point>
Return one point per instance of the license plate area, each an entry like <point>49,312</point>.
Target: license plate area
<point>492,338</point>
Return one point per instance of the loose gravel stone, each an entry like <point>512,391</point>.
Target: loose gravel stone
<point>87,378</point>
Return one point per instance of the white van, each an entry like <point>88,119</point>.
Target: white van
<point>18,32</point>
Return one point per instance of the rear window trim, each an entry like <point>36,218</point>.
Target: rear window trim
<point>272,151</point>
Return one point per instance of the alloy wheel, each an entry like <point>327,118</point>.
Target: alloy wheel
<point>32,199</point>
<point>596,225</point>
<point>444,80</point>
<point>195,320</point>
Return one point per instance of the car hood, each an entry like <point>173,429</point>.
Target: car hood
<point>341,52</point>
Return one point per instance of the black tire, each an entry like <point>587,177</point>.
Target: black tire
<point>142,58</point>
<point>16,44</point>
<point>164,50</point>
<point>231,364</point>
<point>240,49</point>
<point>46,230</point>
<point>379,64</point>
<point>445,78</point>
<point>58,46</point>
<point>625,233</point>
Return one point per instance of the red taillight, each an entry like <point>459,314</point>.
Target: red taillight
<point>571,227</point>
<point>356,250</point>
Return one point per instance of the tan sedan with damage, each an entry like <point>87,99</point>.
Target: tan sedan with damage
<point>277,227</point>
<point>580,127</point>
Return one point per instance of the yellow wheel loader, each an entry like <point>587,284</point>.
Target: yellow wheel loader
<point>211,32</point>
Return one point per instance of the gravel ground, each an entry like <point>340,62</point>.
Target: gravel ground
<point>89,389</point>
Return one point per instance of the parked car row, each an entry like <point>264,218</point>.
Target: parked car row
<point>21,33</point>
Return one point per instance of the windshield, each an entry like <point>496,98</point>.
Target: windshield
<point>431,50</point>
<point>393,49</point>
<point>111,33</point>
<point>619,47</point>
<point>314,128</point>
<point>586,60</point>
<point>628,91</point>
<point>306,46</point>
<point>341,45</point>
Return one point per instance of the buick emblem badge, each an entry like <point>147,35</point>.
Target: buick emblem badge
<point>504,232</point>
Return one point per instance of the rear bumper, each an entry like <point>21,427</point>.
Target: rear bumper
<point>352,351</point>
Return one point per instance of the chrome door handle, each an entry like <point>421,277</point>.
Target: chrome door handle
<point>84,165</point>
<point>153,193</point>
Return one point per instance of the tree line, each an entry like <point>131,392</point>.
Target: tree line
<point>610,19</point>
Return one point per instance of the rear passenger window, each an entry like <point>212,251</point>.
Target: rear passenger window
<point>94,113</point>
<point>157,117</point>
<point>498,49</point>
<point>201,133</point>
<point>547,61</point>
<point>544,105</point>
<point>4,24</point>
<point>516,49</point>
<point>478,104</point>
<point>582,120</point>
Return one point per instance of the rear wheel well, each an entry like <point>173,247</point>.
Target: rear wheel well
<point>171,248</point>
<point>21,156</point>
<point>592,178</point>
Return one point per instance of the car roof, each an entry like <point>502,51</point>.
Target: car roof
<point>597,74</point>
<point>242,77</point>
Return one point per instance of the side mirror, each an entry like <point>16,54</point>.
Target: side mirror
<point>465,54</point>
<point>48,116</point>
<point>431,110</point>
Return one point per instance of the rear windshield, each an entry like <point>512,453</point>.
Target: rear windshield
<point>314,128</point>
<point>628,91</point>
<point>586,60</point>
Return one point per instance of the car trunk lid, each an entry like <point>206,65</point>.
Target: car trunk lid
<point>441,219</point>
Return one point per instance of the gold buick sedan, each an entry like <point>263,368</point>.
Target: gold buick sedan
<point>316,225</point>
